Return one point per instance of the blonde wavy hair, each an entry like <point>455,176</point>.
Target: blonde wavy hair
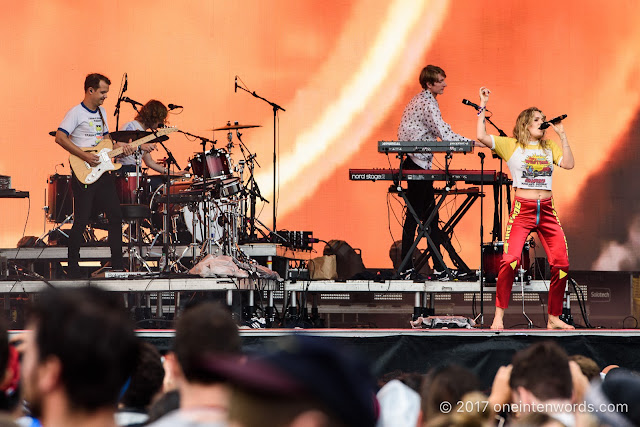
<point>520,131</point>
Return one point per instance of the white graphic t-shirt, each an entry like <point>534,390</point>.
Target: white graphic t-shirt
<point>84,127</point>
<point>530,167</point>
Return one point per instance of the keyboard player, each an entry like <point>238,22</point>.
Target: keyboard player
<point>422,121</point>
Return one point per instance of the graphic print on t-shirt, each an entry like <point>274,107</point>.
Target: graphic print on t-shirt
<point>536,168</point>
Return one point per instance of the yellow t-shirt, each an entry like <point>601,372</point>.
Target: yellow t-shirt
<point>530,167</point>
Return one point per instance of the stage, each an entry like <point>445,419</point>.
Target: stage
<point>481,350</point>
<point>373,317</point>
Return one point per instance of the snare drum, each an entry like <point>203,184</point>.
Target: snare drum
<point>60,197</point>
<point>228,187</point>
<point>492,257</point>
<point>128,191</point>
<point>180,194</point>
<point>214,165</point>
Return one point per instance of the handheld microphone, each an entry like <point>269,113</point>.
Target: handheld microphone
<point>130,101</point>
<point>173,106</point>
<point>471,104</point>
<point>236,88</point>
<point>555,121</point>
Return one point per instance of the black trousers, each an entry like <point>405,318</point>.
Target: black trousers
<point>422,198</point>
<point>103,195</point>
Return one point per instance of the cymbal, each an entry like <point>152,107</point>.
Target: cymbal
<point>126,135</point>
<point>235,126</point>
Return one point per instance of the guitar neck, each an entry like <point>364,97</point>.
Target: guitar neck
<point>117,151</point>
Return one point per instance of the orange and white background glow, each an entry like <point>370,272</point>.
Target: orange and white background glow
<point>343,70</point>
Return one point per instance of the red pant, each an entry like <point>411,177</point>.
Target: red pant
<point>526,216</point>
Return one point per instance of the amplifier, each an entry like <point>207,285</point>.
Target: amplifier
<point>5,182</point>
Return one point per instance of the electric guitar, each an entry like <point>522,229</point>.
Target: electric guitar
<point>104,150</point>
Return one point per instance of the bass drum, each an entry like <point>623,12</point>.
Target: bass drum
<point>59,198</point>
<point>222,219</point>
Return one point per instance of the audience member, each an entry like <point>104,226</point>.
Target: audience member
<point>146,383</point>
<point>413,380</point>
<point>9,375</point>
<point>540,376</point>
<point>471,410</point>
<point>445,384</point>
<point>202,332</point>
<point>588,366</point>
<point>80,353</point>
<point>399,405</point>
<point>306,381</point>
<point>619,393</point>
<point>537,419</point>
<point>167,402</point>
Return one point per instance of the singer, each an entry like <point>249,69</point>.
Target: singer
<point>531,159</point>
<point>423,121</point>
<point>152,115</point>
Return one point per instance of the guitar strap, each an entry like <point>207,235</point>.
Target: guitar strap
<point>101,119</point>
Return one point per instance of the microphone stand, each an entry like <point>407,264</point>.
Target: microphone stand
<point>497,230</point>
<point>275,107</point>
<point>167,223</point>
<point>117,111</point>
<point>481,314</point>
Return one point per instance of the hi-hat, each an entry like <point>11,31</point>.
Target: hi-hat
<point>229,126</point>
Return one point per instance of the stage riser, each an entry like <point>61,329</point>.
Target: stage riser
<point>482,352</point>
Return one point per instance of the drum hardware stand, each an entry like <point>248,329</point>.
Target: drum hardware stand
<point>205,201</point>
<point>57,228</point>
<point>251,188</point>
<point>423,227</point>
<point>165,220</point>
<point>275,107</point>
<point>521,272</point>
<point>566,316</point>
<point>521,278</point>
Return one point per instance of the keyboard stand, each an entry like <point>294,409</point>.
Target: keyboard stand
<point>472,194</point>
<point>424,228</point>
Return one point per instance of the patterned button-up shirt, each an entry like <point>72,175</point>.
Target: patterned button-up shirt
<point>422,121</point>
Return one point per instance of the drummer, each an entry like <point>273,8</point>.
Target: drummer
<point>152,115</point>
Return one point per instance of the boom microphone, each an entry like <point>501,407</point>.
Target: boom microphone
<point>555,121</point>
<point>471,104</point>
<point>173,106</point>
<point>130,101</point>
<point>236,88</point>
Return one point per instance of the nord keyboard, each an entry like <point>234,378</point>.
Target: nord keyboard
<point>469,176</point>
<point>424,146</point>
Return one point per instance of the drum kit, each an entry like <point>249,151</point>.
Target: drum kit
<point>213,209</point>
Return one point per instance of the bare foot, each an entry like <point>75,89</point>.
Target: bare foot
<point>498,319</point>
<point>554,322</point>
<point>497,324</point>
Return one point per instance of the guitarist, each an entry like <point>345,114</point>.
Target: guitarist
<point>85,126</point>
